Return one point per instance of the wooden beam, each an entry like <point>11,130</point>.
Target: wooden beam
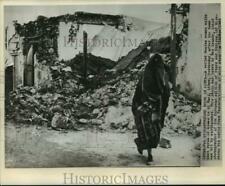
<point>173,46</point>
<point>85,54</point>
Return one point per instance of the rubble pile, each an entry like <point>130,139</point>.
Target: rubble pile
<point>183,115</point>
<point>53,104</point>
<point>67,104</point>
<point>112,96</point>
<point>65,81</point>
<point>112,105</point>
<point>52,109</point>
<point>95,64</point>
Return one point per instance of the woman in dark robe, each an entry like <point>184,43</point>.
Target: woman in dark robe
<point>149,104</point>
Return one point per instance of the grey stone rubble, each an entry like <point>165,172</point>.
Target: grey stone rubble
<point>64,105</point>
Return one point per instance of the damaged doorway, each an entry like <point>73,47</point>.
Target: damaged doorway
<point>8,82</point>
<point>29,68</point>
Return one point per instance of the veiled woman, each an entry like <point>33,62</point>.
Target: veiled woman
<point>149,105</point>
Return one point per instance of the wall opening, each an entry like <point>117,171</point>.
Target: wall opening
<point>29,68</point>
<point>8,82</point>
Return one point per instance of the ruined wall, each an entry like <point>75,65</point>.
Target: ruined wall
<point>14,56</point>
<point>20,69</point>
<point>69,49</point>
<point>108,41</point>
<point>18,60</point>
<point>42,73</point>
<point>190,64</point>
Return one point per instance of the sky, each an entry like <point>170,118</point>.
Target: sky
<point>25,14</point>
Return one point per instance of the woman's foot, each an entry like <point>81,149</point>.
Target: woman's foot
<point>149,160</point>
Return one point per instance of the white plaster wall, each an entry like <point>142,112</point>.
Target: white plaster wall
<point>67,50</point>
<point>109,42</point>
<point>191,79</point>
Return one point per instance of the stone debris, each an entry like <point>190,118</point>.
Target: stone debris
<point>59,121</point>
<point>183,115</point>
<point>66,103</point>
<point>165,143</point>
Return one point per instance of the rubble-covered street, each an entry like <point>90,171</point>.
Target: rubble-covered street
<point>71,105</point>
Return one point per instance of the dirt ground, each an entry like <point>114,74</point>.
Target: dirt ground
<point>32,146</point>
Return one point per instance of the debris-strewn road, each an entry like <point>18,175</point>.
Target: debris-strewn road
<point>29,146</point>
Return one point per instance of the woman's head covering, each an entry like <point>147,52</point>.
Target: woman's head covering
<point>155,60</point>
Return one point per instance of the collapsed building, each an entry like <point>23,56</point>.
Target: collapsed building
<point>42,42</point>
<point>113,42</point>
<point>47,58</point>
<point>35,46</point>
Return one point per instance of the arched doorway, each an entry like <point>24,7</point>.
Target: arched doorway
<point>8,82</point>
<point>29,68</point>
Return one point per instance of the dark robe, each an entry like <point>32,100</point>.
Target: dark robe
<point>151,98</point>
